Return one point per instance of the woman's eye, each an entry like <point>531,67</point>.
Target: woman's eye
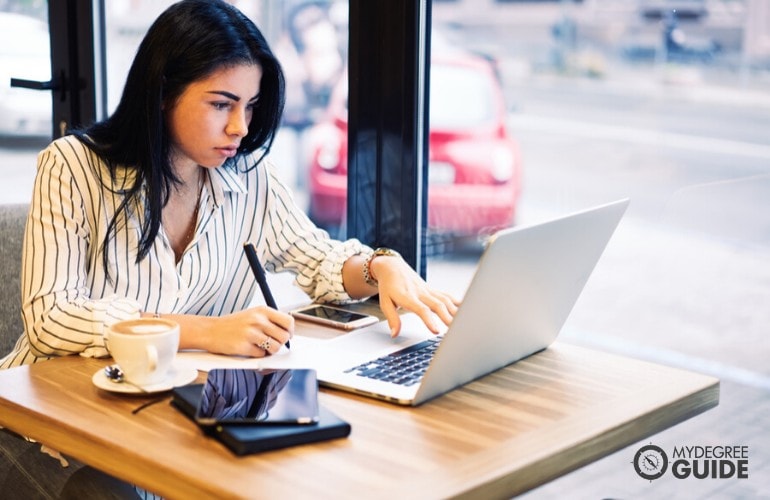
<point>221,105</point>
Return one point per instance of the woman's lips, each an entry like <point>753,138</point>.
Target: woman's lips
<point>228,151</point>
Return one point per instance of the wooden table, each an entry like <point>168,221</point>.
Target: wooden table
<point>502,435</point>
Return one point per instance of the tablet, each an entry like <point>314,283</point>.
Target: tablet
<point>258,396</point>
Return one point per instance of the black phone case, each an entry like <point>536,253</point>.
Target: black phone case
<point>248,439</point>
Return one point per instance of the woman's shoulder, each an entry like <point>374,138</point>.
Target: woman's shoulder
<point>67,143</point>
<point>68,148</point>
<point>72,155</point>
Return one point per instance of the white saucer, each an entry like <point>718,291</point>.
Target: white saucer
<point>178,376</point>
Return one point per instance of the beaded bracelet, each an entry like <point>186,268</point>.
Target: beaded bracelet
<point>367,271</point>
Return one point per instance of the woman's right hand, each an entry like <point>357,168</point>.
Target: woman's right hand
<point>255,332</point>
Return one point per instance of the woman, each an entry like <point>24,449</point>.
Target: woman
<point>146,212</point>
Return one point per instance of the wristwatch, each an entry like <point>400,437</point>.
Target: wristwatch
<point>368,263</point>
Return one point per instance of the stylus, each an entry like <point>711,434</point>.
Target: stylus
<point>259,273</point>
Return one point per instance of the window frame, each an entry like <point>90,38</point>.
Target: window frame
<point>78,63</point>
<point>388,128</point>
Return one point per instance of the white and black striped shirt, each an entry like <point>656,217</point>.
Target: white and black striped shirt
<point>67,297</point>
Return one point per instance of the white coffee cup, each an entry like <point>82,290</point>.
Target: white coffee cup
<point>144,348</point>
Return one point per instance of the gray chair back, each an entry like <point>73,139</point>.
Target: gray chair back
<point>13,218</point>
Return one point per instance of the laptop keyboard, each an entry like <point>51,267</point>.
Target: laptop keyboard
<point>404,367</point>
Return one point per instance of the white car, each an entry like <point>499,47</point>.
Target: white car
<point>25,54</point>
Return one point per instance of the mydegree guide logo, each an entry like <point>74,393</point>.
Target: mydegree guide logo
<point>699,462</point>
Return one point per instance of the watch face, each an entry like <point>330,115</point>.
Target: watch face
<point>650,462</point>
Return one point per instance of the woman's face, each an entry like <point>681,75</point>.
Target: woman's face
<point>208,121</point>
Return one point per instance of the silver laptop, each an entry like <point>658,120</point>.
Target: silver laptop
<point>526,283</point>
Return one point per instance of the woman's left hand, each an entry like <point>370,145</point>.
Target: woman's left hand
<point>401,286</point>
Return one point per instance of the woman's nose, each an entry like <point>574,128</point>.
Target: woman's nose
<point>238,124</point>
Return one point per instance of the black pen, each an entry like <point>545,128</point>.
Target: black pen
<point>259,273</point>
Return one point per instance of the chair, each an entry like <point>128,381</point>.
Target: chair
<point>13,218</point>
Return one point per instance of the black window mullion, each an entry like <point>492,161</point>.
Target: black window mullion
<point>388,130</point>
<point>77,62</point>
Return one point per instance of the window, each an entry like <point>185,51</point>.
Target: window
<point>25,114</point>
<point>605,101</point>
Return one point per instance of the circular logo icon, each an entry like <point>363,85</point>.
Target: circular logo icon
<point>650,462</point>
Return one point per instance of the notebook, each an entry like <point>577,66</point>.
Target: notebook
<point>525,285</point>
<point>247,439</point>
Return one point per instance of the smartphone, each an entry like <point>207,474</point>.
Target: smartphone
<point>334,317</point>
<point>258,396</point>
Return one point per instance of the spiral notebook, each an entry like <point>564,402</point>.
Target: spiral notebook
<point>248,439</point>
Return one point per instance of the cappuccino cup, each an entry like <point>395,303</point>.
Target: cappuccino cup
<point>144,348</point>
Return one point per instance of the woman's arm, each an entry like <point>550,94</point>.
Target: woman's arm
<point>60,316</point>
<point>332,271</point>
<point>398,285</point>
<point>289,241</point>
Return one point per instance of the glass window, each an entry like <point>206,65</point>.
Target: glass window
<point>667,103</point>
<point>25,115</point>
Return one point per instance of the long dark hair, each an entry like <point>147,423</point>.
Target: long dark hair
<point>188,42</point>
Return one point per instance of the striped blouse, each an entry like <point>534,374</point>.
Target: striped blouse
<point>67,298</point>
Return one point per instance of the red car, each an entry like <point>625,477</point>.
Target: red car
<point>475,165</point>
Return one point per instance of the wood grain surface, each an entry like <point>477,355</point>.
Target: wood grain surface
<point>499,436</point>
